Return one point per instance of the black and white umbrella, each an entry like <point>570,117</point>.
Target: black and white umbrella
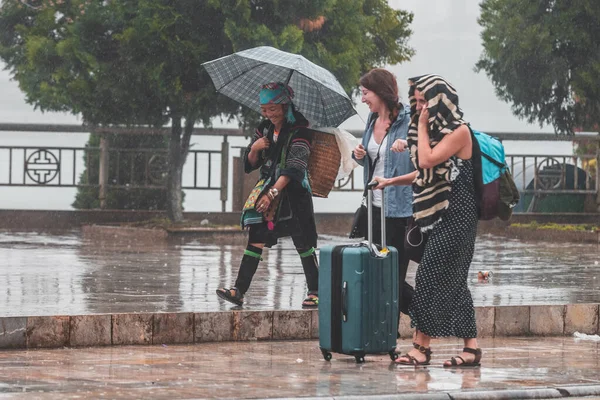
<point>318,94</point>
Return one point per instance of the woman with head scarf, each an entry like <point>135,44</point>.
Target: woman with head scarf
<point>444,205</point>
<point>381,153</point>
<point>281,202</point>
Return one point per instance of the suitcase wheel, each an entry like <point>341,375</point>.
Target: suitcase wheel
<point>393,355</point>
<point>326,355</point>
<point>359,359</point>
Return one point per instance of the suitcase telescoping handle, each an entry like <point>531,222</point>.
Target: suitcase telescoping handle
<point>370,187</point>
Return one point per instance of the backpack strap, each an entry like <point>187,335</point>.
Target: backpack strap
<point>477,171</point>
<point>490,159</point>
<point>486,156</point>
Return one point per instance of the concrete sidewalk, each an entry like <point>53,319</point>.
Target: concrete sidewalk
<point>512,368</point>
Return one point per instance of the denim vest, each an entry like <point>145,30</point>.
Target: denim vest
<point>398,199</point>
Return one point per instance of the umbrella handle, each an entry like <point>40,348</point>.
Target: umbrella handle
<point>287,81</point>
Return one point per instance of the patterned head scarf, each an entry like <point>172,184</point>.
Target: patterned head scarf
<point>278,93</point>
<point>431,188</point>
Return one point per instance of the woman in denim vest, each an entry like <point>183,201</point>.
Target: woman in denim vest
<point>384,140</point>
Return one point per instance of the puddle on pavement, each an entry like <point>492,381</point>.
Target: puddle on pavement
<point>53,274</point>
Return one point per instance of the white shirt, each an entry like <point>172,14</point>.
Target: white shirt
<point>379,167</point>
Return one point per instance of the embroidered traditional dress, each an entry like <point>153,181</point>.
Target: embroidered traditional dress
<point>293,214</point>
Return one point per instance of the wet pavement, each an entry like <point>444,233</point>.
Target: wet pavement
<point>63,274</point>
<point>521,367</point>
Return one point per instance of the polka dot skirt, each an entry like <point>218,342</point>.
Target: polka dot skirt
<point>442,304</point>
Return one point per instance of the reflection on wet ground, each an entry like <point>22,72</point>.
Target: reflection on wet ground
<point>292,369</point>
<point>42,274</point>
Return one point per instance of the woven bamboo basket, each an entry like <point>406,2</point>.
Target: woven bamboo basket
<point>323,163</point>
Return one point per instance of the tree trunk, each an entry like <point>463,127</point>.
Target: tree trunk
<point>174,194</point>
<point>178,151</point>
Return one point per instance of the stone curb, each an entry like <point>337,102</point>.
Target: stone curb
<point>517,394</point>
<point>244,325</point>
<point>581,390</point>
<point>130,234</point>
<point>542,393</point>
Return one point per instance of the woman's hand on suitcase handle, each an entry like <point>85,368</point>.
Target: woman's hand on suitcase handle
<point>378,183</point>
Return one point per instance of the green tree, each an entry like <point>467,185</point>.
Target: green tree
<point>139,62</point>
<point>543,56</point>
<point>347,37</point>
<point>132,63</point>
<point>129,169</point>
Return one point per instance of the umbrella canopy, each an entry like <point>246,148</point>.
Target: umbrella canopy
<point>318,94</point>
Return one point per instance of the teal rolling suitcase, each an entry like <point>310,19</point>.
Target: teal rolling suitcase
<point>358,297</point>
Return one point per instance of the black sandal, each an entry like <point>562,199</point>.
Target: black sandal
<point>311,300</point>
<point>412,360</point>
<point>232,295</point>
<point>466,364</point>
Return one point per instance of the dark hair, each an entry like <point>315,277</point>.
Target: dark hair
<point>383,83</point>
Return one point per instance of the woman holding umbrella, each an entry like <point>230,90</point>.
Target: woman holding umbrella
<point>280,204</point>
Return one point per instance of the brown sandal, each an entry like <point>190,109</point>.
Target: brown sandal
<point>412,360</point>
<point>466,364</point>
<point>232,295</point>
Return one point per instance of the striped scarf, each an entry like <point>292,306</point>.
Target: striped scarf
<point>432,186</point>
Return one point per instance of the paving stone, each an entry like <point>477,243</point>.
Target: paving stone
<point>90,330</point>
<point>213,326</point>
<point>47,331</point>
<point>252,325</point>
<point>12,332</point>
<point>292,324</point>
<point>168,328</point>
<point>511,321</point>
<point>582,318</point>
<point>485,317</point>
<point>315,324</point>
<point>132,329</point>
<point>547,320</point>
